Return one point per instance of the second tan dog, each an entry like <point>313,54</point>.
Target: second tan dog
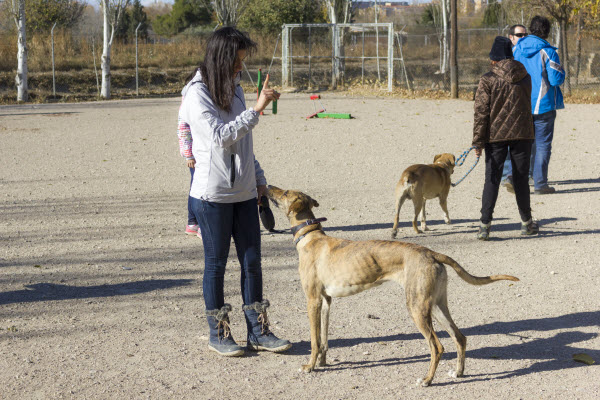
<point>331,267</point>
<point>422,182</point>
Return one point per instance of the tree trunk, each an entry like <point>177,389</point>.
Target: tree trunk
<point>335,42</point>
<point>444,37</point>
<point>105,60</point>
<point>578,49</point>
<point>453,49</point>
<point>21,78</point>
<point>565,55</point>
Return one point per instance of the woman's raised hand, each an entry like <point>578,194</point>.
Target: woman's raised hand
<point>267,95</point>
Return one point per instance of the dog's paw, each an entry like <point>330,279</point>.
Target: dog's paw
<point>422,383</point>
<point>452,374</point>
<point>425,229</point>
<point>307,368</point>
<point>447,220</point>
<point>394,234</point>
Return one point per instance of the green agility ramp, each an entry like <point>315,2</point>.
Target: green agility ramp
<point>334,115</point>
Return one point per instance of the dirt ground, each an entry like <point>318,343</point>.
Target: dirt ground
<point>101,291</point>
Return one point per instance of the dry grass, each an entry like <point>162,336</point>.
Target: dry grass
<point>164,66</point>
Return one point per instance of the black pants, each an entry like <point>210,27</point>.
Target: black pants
<point>495,154</point>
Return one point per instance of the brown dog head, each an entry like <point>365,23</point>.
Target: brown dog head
<point>296,204</point>
<point>446,160</point>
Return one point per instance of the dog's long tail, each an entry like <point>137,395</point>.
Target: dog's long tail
<point>467,277</point>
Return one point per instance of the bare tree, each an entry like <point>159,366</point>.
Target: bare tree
<point>228,12</point>
<point>111,11</point>
<point>339,10</point>
<point>17,11</point>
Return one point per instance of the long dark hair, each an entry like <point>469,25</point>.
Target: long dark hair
<point>219,61</point>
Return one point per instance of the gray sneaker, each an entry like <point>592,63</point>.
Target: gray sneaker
<point>530,228</point>
<point>484,232</point>
<point>507,183</point>
<point>545,190</point>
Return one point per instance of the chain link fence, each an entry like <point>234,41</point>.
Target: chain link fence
<point>362,59</point>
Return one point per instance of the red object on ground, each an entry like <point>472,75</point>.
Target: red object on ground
<point>314,115</point>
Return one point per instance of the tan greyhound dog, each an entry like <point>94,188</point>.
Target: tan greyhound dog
<point>331,267</point>
<point>422,182</point>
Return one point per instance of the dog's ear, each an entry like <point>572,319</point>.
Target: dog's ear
<point>436,157</point>
<point>296,206</point>
<point>453,159</point>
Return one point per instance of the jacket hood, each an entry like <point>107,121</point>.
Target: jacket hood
<point>509,70</point>
<point>198,78</point>
<point>531,45</point>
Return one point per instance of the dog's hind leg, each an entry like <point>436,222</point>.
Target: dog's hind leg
<point>421,314</point>
<point>418,203</point>
<point>400,199</point>
<point>314,318</point>
<point>423,218</point>
<point>324,330</point>
<point>442,315</point>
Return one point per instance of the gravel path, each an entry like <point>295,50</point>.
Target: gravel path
<point>100,290</point>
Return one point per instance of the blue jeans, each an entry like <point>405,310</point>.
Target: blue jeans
<point>191,216</point>
<point>218,223</point>
<point>544,133</point>
<point>540,151</point>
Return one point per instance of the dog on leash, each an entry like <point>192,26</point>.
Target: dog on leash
<point>331,267</point>
<point>422,182</point>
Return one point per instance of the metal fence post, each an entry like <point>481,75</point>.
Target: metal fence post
<point>390,57</point>
<point>53,69</point>
<point>137,91</point>
<point>285,43</point>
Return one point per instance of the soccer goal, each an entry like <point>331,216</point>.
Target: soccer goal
<point>314,55</point>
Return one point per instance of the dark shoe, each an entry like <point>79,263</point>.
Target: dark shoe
<point>220,340</point>
<point>545,190</point>
<point>260,336</point>
<point>484,232</point>
<point>530,228</point>
<point>508,184</point>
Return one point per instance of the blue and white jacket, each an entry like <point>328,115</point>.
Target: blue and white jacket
<point>541,61</point>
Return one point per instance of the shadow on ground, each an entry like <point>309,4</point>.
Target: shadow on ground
<point>546,353</point>
<point>51,291</point>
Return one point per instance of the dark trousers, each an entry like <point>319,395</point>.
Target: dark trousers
<point>495,154</point>
<point>191,216</point>
<point>218,223</point>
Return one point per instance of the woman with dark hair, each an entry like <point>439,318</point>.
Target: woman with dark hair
<point>226,185</point>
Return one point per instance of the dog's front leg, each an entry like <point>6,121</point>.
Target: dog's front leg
<point>314,319</point>
<point>324,330</point>
<point>444,205</point>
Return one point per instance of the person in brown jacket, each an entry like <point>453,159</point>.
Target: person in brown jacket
<point>503,123</point>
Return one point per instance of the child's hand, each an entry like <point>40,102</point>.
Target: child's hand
<point>266,96</point>
<point>191,163</point>
<point>478,152</point>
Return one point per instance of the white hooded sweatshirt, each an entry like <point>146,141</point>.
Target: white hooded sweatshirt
<point>226,170</point>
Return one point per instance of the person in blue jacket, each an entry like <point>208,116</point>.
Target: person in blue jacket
<point>543,65</point>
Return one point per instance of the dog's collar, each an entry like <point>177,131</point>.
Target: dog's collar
<point>306,223</point>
